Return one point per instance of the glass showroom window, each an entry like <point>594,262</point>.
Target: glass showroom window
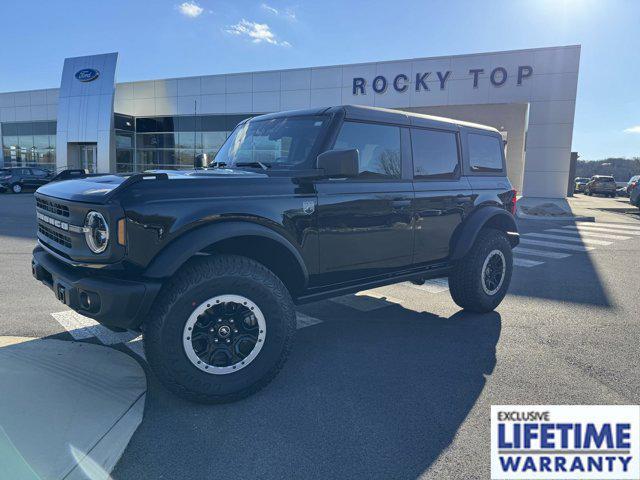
<point>29,144</point>
<point>177,142</point>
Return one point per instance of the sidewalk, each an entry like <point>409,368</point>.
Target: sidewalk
<point>577,208</point>
<point>67,409</point>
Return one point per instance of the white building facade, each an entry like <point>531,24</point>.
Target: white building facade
<point>93,122</point>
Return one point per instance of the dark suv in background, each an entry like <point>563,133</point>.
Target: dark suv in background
<point>300,206</point>
<point>18,179</point>
<point>601,184</point>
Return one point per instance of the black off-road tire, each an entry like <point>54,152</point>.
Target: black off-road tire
<point>199,280</point>
<point>465,279</point>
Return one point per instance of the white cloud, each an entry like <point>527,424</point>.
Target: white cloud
<point>269,8</point>
<point>635,129</point>
<point>287,13</point>
<point>190,9</point>
<point>257,32</point>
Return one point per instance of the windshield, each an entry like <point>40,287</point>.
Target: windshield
<point>285,142</point>
<point>604,179</point>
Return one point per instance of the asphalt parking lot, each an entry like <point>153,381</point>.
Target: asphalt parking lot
<point>396,382</point>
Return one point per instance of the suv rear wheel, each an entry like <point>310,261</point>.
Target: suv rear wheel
<point>222,329</point>
<point>16,188</point>
<point>480,280</point>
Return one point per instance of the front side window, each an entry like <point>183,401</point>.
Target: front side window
<point>378,147</point>
<point>435,154</point>
<point>485,153</point>
<point>285,142</point>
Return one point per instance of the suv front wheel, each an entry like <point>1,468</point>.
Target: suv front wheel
<point>479,281</point>
<point>222,329</point>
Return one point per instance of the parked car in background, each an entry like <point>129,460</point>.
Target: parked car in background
<point>20,178</point>
<point>634,191</point>
<point>601,184</point>
<point>622,191</point>
<point>579,184</point>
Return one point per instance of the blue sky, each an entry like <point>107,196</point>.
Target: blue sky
<point>159,38</point>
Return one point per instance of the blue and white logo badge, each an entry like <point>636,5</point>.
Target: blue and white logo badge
<point>87,74</point>
<point>565,442</point>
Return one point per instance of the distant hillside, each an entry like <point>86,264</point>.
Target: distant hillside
<point>622,169</point>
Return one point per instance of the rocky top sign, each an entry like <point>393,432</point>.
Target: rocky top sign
<point>400,83</point>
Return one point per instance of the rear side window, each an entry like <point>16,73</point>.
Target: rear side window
<point>435,153</point>
<point>485,153</point>
<point>378,146</point>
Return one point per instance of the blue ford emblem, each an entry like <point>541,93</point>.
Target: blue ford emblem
<point>87,74</point>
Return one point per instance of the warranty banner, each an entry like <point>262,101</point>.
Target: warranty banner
<point>565,442</point>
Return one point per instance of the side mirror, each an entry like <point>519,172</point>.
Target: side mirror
<point>340,163</point>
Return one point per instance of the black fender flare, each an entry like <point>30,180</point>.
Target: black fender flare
<point>468,230</point>
<point>174,255</point>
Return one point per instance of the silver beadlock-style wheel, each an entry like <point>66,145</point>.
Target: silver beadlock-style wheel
<point>224,334</point>
<point>493,270</point>
<point>479,281</point>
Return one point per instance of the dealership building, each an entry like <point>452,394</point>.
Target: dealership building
<point>92,122</point>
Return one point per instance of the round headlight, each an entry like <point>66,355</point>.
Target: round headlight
<point>96,232</point>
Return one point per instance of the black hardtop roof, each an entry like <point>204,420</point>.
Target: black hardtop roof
<point>377,114</point>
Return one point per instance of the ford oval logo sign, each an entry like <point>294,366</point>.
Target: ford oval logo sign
<point>87,75</point>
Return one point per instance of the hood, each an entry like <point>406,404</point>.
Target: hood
<point>89,189</point>
<point>97,189</point>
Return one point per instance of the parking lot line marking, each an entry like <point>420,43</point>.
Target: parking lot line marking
<point>78,328</point>
<point>611,225</point>
<point>523,262</point>
<point>363,301</point>
<point>589,228</point>
<point>434,285</point>
<point>540,253</point>
<point>82,328</point>
<point>564,246</point>
<point>305,320</point>
<point>565,238</point>
<point>589,234</point>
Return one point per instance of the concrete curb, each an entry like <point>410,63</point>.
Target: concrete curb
<point>68,409</point>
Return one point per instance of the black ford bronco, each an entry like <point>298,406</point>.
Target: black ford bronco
<point>295,207</point>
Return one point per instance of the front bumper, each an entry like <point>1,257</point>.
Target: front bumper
<point>113,301</point>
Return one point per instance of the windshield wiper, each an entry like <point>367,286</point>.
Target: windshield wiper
<point>254,164</point>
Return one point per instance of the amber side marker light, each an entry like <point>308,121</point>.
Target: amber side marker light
<point>122,240</point>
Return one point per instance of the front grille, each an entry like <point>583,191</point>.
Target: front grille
<point>52,207</point>
<point>54,236</point>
